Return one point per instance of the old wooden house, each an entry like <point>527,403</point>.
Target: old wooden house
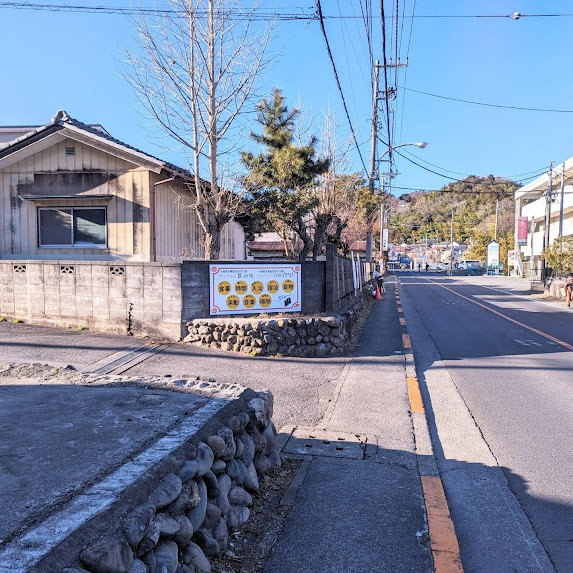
<point>69,190</point>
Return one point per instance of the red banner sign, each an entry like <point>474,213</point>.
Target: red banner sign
<point>522,229</point>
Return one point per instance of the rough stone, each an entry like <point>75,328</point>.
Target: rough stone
<point>107,555</point>
<point>205,458</point>
<point>197,514</point>
<point>234,423</point>
<point>248,453</point>
<point>257,437</point>
<point>194,557</point>
<point>322,349</point>
<point>241,473</point>
<point>217,444</point>
<point>206,542</point>
<point>74,570</point>
<point>272,347</point>
<point>167,525</point>
<point>262,464</point>
<point>240,448</point>
<point>238,496</point>
<point>212,516</point>
<point>149,540</point>
<point>221,534</point>
<point>137,566</point>
<point>166,557</point>
<point>270,439</point>
<point>185,532</point>
<point>166,492</point>
<point>211,484</point>
<point>149,560</point>
<point>136,523</point>
<point>237,516</point>
<point>230,446</point>
<point>218,466</point>
<point>275,459</point>
<point>184,569</point>
<point>251,479</point>
<point>179,504</point>
<point>194,497</point>
<point>224,487</point>
<point>323,328</point>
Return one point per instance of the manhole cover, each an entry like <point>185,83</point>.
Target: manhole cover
<point>311,442</point>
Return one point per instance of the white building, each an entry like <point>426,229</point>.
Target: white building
<point>530,203</point>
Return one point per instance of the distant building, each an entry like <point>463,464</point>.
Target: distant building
<point>267,246</point>
<point>530,205</point>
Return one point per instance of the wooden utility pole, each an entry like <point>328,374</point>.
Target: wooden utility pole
<point>372,174</point>
<point>452,244</point>
<point>562,200</point>
<point>548,201</point>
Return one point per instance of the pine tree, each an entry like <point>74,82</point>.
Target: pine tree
<point>282,177</point>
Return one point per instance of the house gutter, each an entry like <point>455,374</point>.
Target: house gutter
<point>153,222</point>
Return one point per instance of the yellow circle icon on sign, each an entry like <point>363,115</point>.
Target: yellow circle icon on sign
<point>257,287</point>
<point>232,301</point>
<point>265,300</point>
<point>224,287</point>
<point>249,301</point>
<point>273,286</point>
<point>288,285</point>
<point>241,287</point>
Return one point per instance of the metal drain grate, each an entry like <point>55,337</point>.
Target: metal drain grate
<point>312,442</point>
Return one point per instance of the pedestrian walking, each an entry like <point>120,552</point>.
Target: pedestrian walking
<point>569,290</point>
<point>419,267</point>
<point>427,266</point>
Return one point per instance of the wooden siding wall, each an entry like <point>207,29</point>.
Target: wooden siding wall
<point>87,172</point>
<point>179,232</point>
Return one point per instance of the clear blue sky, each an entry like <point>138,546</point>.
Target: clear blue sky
<point>54,61</point>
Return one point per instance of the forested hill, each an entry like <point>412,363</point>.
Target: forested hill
<point>473,201</point>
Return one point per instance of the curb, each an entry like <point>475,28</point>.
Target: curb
<point>443,540</point>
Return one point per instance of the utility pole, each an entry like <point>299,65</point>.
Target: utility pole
<point>548,201</point>
<point>452,244</point>
<point>562,200</point>
<point>372,175</point>
<point>496,215</point>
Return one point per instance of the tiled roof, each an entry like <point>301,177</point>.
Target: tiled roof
<point>266,246</point>
<point>62,119</point>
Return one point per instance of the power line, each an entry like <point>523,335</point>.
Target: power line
<point>488,104</point>
<point>270,15</point>
<point>321,20</point>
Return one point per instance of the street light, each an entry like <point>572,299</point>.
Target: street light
<point>421,145</point>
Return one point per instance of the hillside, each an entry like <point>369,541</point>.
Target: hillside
<point>473,201</point>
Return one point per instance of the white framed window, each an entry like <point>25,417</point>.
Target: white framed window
<point>66,227</point>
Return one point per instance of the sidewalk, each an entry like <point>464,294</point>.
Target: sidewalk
<point>360,507</point>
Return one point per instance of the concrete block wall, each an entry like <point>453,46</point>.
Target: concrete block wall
<point>119,297</point>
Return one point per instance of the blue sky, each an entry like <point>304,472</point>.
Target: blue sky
<point>57,60</point>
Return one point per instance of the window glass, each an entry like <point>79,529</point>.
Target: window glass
<point>55,226</point>
<point>89,226</point>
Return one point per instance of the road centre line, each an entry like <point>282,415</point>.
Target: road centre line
<point>531,328</point>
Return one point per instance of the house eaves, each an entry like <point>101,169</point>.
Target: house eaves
<point>537,187</point>
<point>94,136</point>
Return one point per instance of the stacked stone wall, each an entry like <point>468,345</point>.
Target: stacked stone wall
<point>302,336</point>
<point>190,514</point>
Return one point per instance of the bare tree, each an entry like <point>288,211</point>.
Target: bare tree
<point>194,70</point>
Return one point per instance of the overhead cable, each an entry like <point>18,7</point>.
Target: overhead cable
<point>488,104</point>
<point>321,20</point>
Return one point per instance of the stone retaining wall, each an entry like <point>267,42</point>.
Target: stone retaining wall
<point>189,515</point>
<point>316,336</point>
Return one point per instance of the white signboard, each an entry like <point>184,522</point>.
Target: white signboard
<point>249,289</point>
<point>384,239</point>
<point>493,253</point>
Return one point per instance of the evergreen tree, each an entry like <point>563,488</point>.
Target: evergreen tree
<point>281,178</point>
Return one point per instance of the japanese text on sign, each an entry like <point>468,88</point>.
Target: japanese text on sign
<point>248,289</point>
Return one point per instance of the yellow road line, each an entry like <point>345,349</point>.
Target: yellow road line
<point>541,333</point>
<point>415,396</point>
<point>445,548</point>
<point>406,341</point>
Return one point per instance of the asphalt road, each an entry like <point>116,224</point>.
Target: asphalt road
<point>496,370</point>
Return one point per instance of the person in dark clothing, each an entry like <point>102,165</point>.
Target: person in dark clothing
<point>427,266</point>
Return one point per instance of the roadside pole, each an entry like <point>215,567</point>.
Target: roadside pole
<point>548,201</point>
<point>562,200</point>
<point>452,244</point>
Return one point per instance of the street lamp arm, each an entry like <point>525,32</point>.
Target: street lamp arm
<point>420,144</point>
